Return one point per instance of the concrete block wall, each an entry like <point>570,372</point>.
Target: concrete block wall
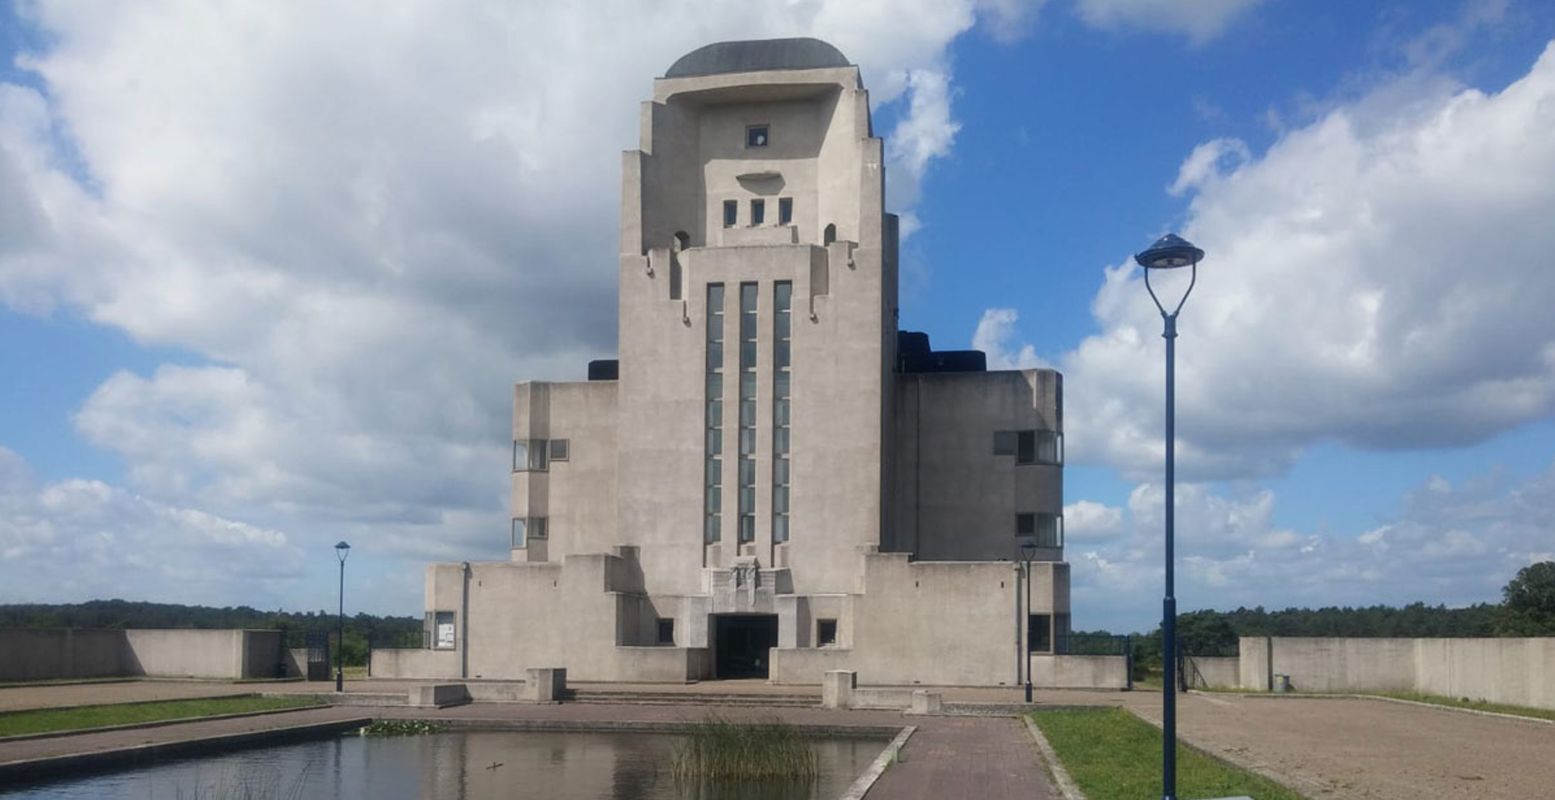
<point>1518,671</point>
<point>61,653</point>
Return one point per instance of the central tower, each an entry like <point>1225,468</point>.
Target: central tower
<point>758,266</point>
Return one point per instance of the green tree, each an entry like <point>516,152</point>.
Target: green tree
<point>1528,602</point>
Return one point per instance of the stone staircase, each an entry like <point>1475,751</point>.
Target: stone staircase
<point>652,698</point>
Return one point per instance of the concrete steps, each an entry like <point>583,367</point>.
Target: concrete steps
<point>607,697</point>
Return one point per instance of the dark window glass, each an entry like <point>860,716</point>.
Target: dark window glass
<point>756,136</point>
<point>666,631</point>
<point>731,213</point>
<point>785,210</point>
<point>825,632</point>
<point>758,212</point>
<point>1026,447</point>
<point>559,449</point>
<point>1025,524</point>
<point>1039,633</point>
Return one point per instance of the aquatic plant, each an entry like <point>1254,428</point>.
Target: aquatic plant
<point>726,750</point>
<point>401,727</point>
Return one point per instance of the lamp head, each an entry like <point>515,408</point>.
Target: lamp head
<point>1028,548</point>
<point>1169,252</point>
<point>342,550</point>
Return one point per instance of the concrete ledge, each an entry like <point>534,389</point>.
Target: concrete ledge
<point>438,695</point>
<point>545,685</point>
<point>1055,768</point>
<point>633,726</point>
<point>12,772</point>
<point>866,780</point>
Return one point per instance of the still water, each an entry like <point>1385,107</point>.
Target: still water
<point>473,764</point>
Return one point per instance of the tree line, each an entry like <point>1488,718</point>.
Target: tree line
<point>1527,609</point>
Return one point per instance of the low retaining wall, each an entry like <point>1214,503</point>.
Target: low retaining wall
<point>64,653</point>
<point>1517,671</point>
<point>414,663</point>
<point>1079,672</point>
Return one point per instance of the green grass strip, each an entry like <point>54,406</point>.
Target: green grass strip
<point>50,720</point>
<point>1114,755</point>
<point>1473,705</point>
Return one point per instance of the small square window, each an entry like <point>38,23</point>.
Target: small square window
<point>785,210</point>
<point>520,536</point>
<point>756,136</point>
<point>758,212</point>
<point>1026,524</point>
<point>731,213</point>
<point>826,633</point>
<point>537,528</point>
<point>559,449</point>
<point>666,631</point>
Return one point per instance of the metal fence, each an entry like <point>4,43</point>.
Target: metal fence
<point>1090,644</point>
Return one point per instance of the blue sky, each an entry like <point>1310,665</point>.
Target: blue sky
<point>266,277</point>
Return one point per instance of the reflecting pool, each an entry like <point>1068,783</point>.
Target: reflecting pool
<point>465,764</point>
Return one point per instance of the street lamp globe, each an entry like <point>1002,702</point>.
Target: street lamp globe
<point>1169,252</point>
<point>342,550</point>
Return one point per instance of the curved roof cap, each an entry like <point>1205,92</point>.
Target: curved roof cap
<point>756,56</point>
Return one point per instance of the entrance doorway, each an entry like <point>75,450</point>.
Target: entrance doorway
<point>743,642</point>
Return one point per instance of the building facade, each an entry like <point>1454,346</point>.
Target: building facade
<point>772,479</point>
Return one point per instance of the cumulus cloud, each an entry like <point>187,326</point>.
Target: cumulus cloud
<point>1378,277</point>
<point>1199,20</point>
<point>360,227</point>
<point>81,538</point>
<point>1454,544</point>
<point>995,335</point>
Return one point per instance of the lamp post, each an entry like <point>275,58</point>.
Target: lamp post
<point>341,550</point>
<point>1170,252</point>
<point>1028,551</point>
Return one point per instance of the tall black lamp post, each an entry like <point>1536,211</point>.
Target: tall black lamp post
<point>341,550</point>
<point>1028,551</point>
<point>1170,252</point>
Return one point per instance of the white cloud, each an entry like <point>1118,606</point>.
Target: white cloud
<point>1208,161</point>
<point>72,539</point>
<point>1379,277</point>
<point>1199,20</point>
<point>995,331</point>
<point>362,226</point>
<point>1446,544</point>
<point>1087,521</point>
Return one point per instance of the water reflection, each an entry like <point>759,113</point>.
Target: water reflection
<point>465,765</point>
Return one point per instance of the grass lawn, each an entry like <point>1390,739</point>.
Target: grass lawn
<point>1114,755</point>
<point>47,720</point>
<point>1476,705</point>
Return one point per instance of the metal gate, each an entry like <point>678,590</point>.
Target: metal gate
<point>318,655</point>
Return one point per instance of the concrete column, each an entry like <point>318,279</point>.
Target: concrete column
<point>837,688</point>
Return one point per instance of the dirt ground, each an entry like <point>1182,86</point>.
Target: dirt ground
<point>1372,749</point>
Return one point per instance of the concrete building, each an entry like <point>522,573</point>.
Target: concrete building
<point>773,479</point>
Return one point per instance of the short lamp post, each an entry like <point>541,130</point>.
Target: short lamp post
<point>1028,551</point>
<point>1170,252</point>
<point>341,550</point>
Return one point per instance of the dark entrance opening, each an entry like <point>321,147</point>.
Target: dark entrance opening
<point>743,642</point>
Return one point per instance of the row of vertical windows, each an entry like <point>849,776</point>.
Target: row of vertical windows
<point>782,378</point>
<point>758,212</point>
<point>747,502</point>
<point>536,455</point>
<point>526,528</point>
<point>713,514</point>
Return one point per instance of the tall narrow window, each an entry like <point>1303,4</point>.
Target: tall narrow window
<point>731,213</point>
<point>782,384</point>
<point>785,210</point>
<point>713,479</point>
<point>747,506</point>
<point>758,212</point>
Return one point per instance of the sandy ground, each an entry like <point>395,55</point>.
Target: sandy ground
<point>1372,749</point>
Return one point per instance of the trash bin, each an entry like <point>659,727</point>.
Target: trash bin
<point>1281,683</point>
